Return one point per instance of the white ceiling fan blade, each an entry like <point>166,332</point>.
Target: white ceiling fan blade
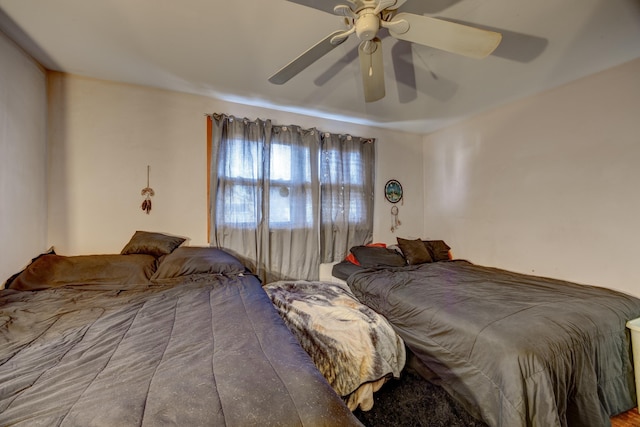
<point>451,37</point>
<point>307,58</point>
<point>324,5</point>
<point>372,69</point>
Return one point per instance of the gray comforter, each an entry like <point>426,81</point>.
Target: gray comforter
<point>211,351</point>
<point>516,350</point>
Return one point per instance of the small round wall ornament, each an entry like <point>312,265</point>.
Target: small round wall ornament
<point>393,191</point>
<point>393,194</point>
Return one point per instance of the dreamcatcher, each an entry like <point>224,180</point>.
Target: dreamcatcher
<point>395,222</point>
<point>393,194</point>
<point>147,192</point>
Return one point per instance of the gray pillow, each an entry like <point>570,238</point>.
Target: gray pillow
<point>371,256</point>
<point>156,244</point>
<point>193,260</point>
<point>414,251</point>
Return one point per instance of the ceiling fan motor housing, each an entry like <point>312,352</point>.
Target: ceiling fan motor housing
<point>367,25</point>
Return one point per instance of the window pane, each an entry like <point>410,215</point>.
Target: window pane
<point>350,167</point>
<point>290,163</point>
<point>243,160</point>
<point>280,162</point>
<point>290,204</point>
<point>279,207</point>
<point>355,169</point>
<point>347,171</point>
<point>241,207</point>
<point>290,207</point>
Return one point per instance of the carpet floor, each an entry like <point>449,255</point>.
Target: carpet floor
<point>414,401</point>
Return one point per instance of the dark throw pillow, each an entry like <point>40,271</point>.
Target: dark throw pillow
<point>195,260</point>
<point>414,251</point>
<point>156,244</point>
<point>438,249</point>
<point>369,256</point>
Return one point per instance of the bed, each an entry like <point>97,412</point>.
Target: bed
<point>514,349</point>
<point>156,335</point>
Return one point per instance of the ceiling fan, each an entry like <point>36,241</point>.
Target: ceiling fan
<point>366,17</point>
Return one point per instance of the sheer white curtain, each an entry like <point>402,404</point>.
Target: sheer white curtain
<point>265,195</point>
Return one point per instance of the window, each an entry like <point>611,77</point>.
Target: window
<point>288,198</point>
<point>290,203</point>
<point>240,176</point>
<point>288,182</point>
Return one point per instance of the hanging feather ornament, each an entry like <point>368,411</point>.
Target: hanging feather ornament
<point>395,222</point>
<point>148,193</point>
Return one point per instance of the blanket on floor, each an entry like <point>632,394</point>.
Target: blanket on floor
<point>354,347</point>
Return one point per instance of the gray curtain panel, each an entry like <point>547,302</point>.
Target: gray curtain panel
<point>266,195</point>
<point>347,176</point>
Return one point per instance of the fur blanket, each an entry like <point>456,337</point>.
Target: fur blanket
<point>355,348</point>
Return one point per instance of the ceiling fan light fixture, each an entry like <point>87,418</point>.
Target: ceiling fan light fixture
<point>367,25</point>
<point>369,47</point>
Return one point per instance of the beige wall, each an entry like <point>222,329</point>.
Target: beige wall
<point>103,135</point>
<point>547,185</point>
<point>23,158</point>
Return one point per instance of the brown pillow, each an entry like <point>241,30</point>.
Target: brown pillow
<point>156,244</point>
<point>438,249</point>
<point>192,260</point>
<point>94,271</point>
<point>10,280</point>
<point>414,251</point>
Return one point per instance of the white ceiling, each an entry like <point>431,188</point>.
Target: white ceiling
<point>228,49</point>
